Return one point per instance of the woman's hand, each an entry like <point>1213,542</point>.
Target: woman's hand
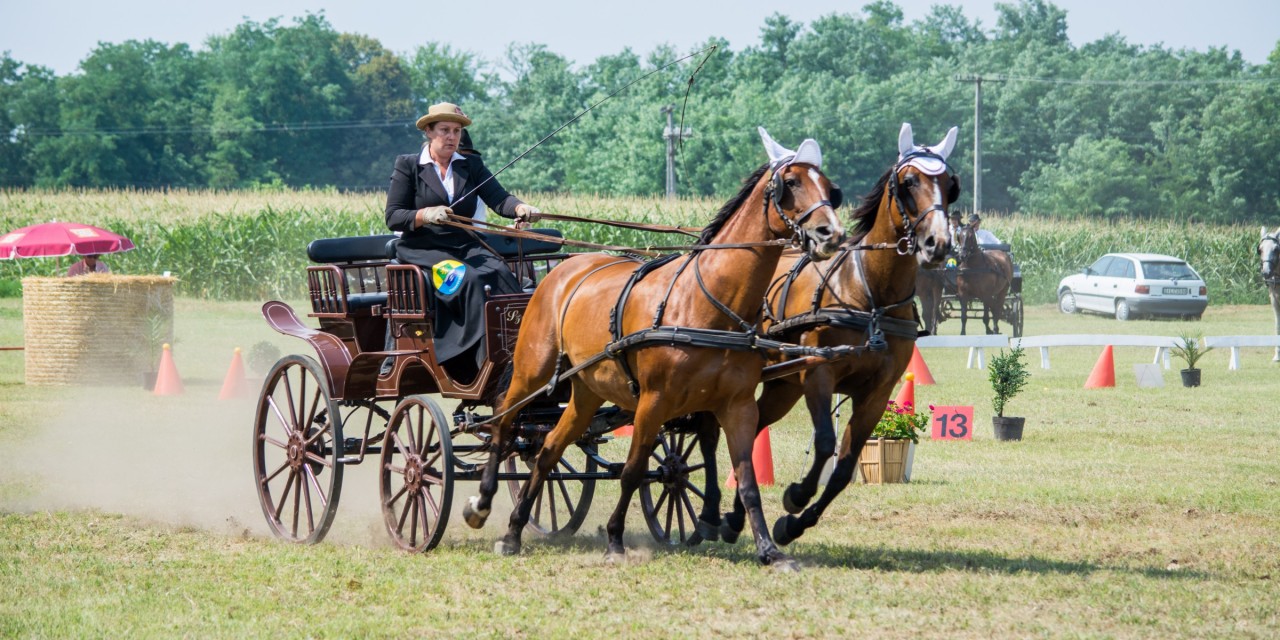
<point>431,215</point>
<point>526,214</point>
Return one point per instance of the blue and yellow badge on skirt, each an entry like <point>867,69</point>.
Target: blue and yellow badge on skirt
<point>447,275</point>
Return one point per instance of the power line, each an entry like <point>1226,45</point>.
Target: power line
<point>1008,78</point>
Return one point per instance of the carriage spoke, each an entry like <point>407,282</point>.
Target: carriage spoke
<point>415,501</point>
<point>688,451</point>
<point>286,424</point>
<point>315,484</point>
<point>267,480</point>
<point>297,502</point>
<point>431,502</point>
<point>671,509</point>
<point>404,513</point>
<point>696,491</point>
<point>679,505</point>
<point>284,495</point>
<point>550,492</point>
<point>288,394</point>
<point>696,467</point>
<point>390,502</point>
<point>399,444</point>
<point>272,441</point>
<point>564,493</point>
<point>422,513</point>
<point>320,460</point>
<point>305,491</point>
<point>688,506</point>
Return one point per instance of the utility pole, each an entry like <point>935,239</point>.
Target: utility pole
<point>977,81</point>
<point>670,134</point>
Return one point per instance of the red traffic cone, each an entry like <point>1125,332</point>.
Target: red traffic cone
<point>167,381</point>
<point>1104,372</point>
<point>233,385</point>
<point>761,462</point>
<point>907,396</point>
<point>918,367</point>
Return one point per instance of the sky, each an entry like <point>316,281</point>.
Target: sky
<point>60,34</point>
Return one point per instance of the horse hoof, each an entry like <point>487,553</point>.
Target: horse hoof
<point>789,502</point>
<point>475,517</point>
<point>706,531</point>
<point>780,533</point>
<point>506,548</point>
<point>728,534</point>
<point>615,557</point>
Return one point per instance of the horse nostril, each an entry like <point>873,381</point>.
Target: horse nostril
<point>823,232</point>
<point>930,242</point>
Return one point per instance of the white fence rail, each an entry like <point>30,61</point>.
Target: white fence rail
<point>975,344</point>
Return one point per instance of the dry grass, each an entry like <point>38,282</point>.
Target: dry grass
<point>1125,512</point>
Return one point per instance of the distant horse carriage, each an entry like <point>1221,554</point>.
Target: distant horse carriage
<point>568,352</point>
<point>1269,253</point>
<point>983,275</point>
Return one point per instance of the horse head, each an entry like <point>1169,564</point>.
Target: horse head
<point>803,198</point>
<point>922,187</point>
<point>967,240</point>
<point>1269,252</point>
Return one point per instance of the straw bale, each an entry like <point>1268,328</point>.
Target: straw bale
<point>95,329</point>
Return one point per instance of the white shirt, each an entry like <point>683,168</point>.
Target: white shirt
<point>986,237</point>
<point>425,158</point>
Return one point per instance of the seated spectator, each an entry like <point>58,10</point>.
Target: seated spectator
<point>87,265</point>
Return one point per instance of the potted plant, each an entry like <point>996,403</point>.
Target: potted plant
<point>1187,348</point>
<point>884,457</point>
<point>1008,375</point>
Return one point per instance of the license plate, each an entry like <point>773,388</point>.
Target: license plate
<point>1175,291</point>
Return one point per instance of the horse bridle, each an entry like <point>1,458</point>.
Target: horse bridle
<point>908,237</point>
<point>1271,274</point>
<point>773,193</point>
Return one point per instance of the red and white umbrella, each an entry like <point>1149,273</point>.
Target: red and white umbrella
<point>61,239</point>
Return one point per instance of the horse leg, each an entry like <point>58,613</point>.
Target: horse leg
<point>643,439</point>
<point>787,528</point>
<point>818,389</point>
<point>964,314</point>
<point>572,424</point>
<point>739,419</point>
<point>776,400</point>
<point>523,383</point>
<point>1275,308</point>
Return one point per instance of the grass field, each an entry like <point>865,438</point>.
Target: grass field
<point>1125,512</point>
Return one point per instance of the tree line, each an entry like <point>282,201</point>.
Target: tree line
<point>1107,129</point>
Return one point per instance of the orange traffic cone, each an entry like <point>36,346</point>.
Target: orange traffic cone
<point>624,431</point>
<point>1104,372</point>
<point>918,367</point>
<point>907,397</point>
<point>761,462</point>
<point>167,381</point>
<point>233,385</point>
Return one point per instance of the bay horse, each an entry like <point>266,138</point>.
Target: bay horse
<point>862,296</point>
<point>570,321</point>
<point>1269,252</point>
<point>981,275</point>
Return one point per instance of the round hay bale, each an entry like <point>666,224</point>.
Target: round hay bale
<point>95,329</point>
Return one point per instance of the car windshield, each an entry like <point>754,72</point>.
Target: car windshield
<point>1168,271</point>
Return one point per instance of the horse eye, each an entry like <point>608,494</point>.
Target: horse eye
<point>910,182</point>
<point>791,183</point>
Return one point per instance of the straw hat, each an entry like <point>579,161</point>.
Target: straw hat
<point>444,112</point>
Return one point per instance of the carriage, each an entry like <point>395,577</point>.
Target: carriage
<point>950,305</point>
<point>318,415</point>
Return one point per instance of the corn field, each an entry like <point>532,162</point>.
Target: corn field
<point>251,245</point>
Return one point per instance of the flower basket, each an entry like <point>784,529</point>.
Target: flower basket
<point>884,461</point>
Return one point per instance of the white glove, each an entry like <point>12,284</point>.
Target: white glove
<point>527,213</point>
<point>433,215</point>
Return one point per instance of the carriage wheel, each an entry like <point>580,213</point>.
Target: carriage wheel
<point>297,451</point>
<point>667,501</point>
<point>416,474</point>
<point>561,505</point>
<point>1013,315</point>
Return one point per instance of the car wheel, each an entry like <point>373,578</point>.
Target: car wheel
<point>1122,310</point>
<point>1067,302</point>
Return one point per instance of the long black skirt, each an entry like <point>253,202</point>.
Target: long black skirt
<point>458,278</point>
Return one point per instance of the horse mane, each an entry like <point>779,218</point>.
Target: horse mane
<point>864,217</point>
<point>731,206</point>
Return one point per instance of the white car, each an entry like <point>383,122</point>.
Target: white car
<point>1135,284</point>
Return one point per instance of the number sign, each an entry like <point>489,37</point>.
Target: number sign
<point>952,423</point>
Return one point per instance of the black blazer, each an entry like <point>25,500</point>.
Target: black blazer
<point>414,186</point>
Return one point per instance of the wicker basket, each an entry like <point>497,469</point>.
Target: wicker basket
<point>94,329</point>
<point>884,461</point>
